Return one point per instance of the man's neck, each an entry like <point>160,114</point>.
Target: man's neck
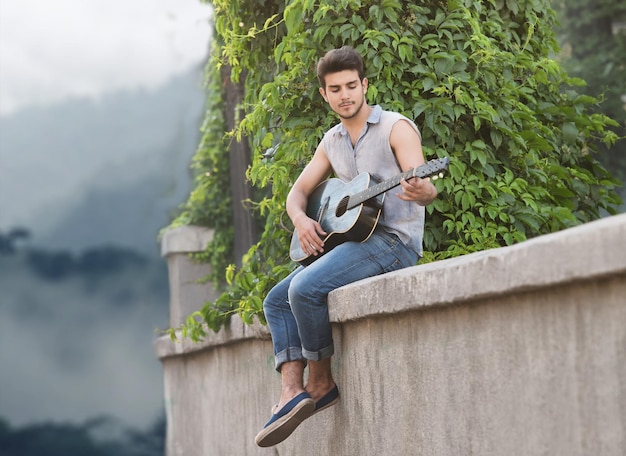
<point>358,121</point>
<point>354,126</point>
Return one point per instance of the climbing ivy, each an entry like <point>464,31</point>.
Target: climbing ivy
<point>209,204</point>
<point>478,79</point>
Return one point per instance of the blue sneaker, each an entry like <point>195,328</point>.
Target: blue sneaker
<point>329,399</point>
<point>286,420</point>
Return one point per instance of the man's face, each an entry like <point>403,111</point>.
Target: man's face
<point>345,93</point>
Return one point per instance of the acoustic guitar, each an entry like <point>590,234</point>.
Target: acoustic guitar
<point>350,211</point>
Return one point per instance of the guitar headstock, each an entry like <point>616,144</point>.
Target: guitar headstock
<point>432,168</point>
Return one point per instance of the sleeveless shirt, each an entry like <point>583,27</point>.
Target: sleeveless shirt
<point>373,154</point>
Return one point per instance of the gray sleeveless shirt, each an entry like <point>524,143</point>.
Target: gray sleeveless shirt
<point>373,154</point>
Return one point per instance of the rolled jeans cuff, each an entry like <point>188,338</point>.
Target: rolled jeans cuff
<point>288,354</point>
<point>324,353</point>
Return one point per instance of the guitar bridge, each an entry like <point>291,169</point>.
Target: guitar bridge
<point>323,210</point>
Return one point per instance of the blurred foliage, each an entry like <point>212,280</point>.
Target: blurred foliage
<point>478,78</point>
<point>593,47</point>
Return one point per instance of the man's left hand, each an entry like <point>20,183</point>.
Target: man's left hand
<point>419,190</point>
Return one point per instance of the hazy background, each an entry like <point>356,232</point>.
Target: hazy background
<point>100,106</point>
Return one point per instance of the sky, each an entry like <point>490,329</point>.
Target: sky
<point>54,50</point>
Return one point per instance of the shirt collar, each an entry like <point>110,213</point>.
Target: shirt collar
<point>373,118</point>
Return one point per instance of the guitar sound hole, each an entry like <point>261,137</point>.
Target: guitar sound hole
<point>342,207</point>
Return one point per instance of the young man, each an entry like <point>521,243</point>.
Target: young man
<point>367,139</point>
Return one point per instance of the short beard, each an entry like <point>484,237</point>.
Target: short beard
<point>358,109</point>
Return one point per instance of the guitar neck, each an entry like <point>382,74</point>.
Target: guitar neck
<point>382,187</point>
<point>427,169</point>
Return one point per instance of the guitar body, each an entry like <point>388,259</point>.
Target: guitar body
<point>327,206</point>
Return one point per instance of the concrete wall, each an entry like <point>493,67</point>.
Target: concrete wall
<point>512,351</point>
<point>188,292</point>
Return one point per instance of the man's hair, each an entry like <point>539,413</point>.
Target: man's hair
<point>336,60</point>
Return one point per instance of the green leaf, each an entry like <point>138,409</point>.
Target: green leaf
<point>293,17</point>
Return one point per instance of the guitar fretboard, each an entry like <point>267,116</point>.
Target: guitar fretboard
<point>427,169</point>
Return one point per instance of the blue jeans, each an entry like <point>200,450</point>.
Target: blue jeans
<point>296,309</point>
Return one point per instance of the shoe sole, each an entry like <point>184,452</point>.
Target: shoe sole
<point>282,428</point>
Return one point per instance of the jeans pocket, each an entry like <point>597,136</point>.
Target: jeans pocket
<point>394,266</point>
<point>403,255</point>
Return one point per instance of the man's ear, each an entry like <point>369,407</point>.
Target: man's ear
<point>323,92</point>
<point>365,84</point>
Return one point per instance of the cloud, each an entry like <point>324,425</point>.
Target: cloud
<point>53,50</point>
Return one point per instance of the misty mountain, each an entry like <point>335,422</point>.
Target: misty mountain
<point>102,436</point>
<point>109,171</point>
<point>76,333</point>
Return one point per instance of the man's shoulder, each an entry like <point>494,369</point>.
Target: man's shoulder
<point>392,115</point>
<point>390,118</point>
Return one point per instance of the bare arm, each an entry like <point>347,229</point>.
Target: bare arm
<point>310,232</point>
<point>407,148</point>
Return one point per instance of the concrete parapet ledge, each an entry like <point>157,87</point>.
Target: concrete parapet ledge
<point>236,331</point>
<point>585,252</point>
